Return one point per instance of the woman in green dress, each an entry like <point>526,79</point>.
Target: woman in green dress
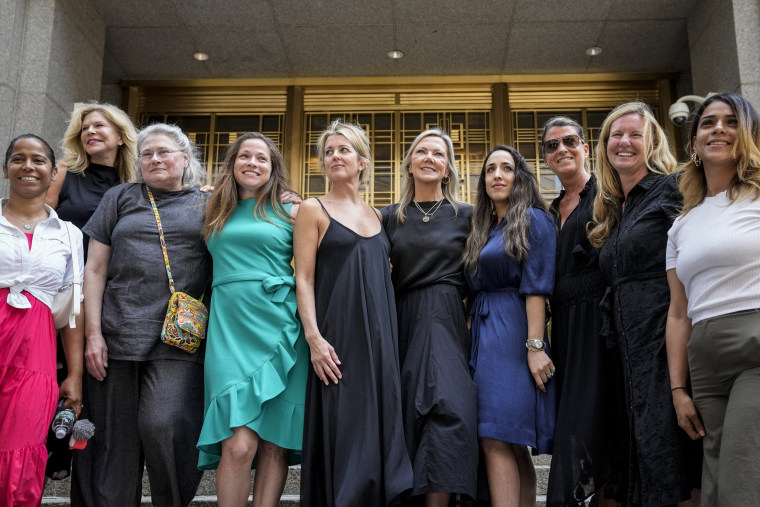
<point>256,356</point>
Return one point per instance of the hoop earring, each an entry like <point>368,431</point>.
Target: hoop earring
<point>695,158</point>
<point>445,180</point>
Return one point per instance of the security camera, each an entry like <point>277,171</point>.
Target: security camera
<point>678,113</point>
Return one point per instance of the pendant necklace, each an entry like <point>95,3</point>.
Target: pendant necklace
<point>429,213</point>
<point>26,225</point>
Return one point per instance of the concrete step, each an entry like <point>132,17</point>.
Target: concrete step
<point>56,493</point>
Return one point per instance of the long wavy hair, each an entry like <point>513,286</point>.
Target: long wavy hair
<point>609,193</point>
<point>523,196</point>
<point>76,159</point>
<point>449,188</point>
<point>224,199</point>
<point>746,152</point>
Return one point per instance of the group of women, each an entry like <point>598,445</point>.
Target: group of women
<point>424,322</point>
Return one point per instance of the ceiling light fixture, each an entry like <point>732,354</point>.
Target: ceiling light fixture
<point>594,50</point>
<point>395,54</point>
<point>200,56</point>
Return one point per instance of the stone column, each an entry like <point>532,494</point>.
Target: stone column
<point>52,58</point>
<point>724,39</point>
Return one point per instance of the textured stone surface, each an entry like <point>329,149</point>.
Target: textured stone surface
<point>712,43</point>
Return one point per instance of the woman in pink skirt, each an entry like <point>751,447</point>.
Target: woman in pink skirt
<point>35,264</point>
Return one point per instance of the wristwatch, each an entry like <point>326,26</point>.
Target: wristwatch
<point>535,345</point>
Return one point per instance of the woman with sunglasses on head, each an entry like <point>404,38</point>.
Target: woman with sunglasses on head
<point>509,265</point>
<point>428,230</point>
<point>713,330</point>
<point>636,202</point>
<point>256,362</point>
<point>353,450</point>
<point>145,396</point>
<point>36,263</point>
<point>589,443</point>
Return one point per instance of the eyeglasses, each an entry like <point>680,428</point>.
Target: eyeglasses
<point>161,154</point>
<point>571,141</point>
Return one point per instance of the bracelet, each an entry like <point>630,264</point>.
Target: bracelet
<point>677,388</point>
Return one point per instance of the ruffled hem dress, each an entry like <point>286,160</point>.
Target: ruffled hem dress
<point>256,356</point>
<point>28,397</point>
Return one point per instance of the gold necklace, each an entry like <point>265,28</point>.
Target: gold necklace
<point>429,213</point>
<point>26,224</point>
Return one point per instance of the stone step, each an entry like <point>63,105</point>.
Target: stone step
<point>56,493</point>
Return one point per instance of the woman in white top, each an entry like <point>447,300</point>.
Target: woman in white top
<point>35,264</point>
<point>713,327</point>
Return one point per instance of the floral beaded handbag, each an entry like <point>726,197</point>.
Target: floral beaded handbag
<point>186,317</point>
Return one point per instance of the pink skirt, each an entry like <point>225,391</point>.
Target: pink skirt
<point>28,397</point>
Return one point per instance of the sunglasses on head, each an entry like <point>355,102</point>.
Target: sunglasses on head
<point>570,141</point>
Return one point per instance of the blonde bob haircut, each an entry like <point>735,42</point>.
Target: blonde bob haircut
<point>449,185</point>
<point>75,158</point>
<point>358,139</point>
<point>609,193</point>
<point>746,152</point>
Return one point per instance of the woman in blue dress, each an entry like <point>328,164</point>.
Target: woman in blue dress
<point>256,356</point>
<point>509,263</point>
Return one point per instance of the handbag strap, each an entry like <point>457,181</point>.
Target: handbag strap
<point>77,280</point>
<point>161,235</point>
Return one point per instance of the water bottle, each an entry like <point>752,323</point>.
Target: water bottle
<point>64,420</point>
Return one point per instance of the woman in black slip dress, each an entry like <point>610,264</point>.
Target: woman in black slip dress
<point>354,451</point>
<point>428,229</point>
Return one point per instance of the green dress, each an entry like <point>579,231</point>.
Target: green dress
<point>256,356</point>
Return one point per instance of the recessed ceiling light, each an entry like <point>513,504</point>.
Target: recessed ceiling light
<point>395,54</point>
<point>593,51</point>
<point>200,56</point>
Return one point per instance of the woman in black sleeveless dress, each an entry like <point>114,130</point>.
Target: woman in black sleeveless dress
<point>354,451</point>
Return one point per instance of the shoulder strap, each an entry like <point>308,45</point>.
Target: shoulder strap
<point>161,235</point>
<point>76,282</point>
<point>323,208</point>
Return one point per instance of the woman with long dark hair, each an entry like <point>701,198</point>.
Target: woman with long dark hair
<point>256,362</point>
<point>509,264</point>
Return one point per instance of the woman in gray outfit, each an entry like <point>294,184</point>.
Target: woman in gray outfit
<point>145,397</point>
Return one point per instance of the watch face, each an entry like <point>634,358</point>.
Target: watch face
<point>536,344</point>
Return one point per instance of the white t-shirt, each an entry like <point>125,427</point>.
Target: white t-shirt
<point>44,270</point>
<point>715,250</point>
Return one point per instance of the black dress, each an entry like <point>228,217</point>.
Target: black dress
<point>590,449</point>
<point>354,451</point>
<point>81,193</point>
<point>439,396</point>
<point>664,464</point>
<point>79,196</point>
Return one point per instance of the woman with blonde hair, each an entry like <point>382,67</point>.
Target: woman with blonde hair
<point>636,202</point>
<point>256,363</point>
<point>99,149</point>
<point>428,230</point>
<point>353,451</point>
<point>714,275</point>
<point>509,265</point>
